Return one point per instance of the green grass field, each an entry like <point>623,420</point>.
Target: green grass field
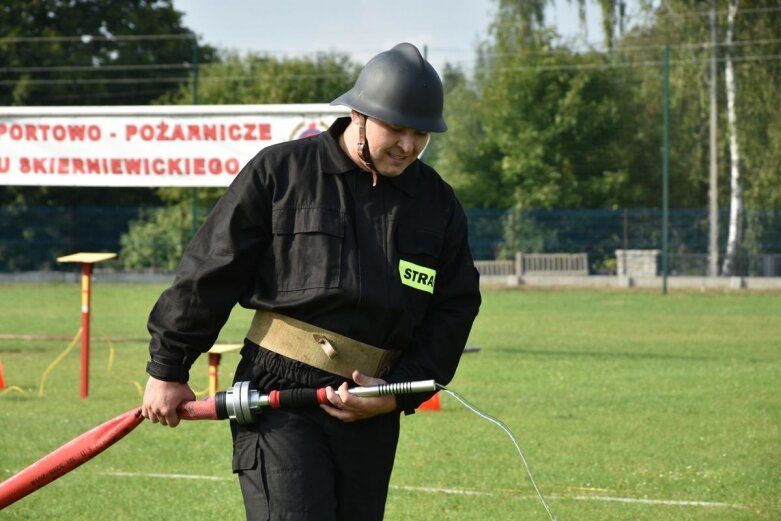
<point>629,405</point>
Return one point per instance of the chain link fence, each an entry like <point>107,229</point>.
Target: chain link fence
<point>499,234</point>
<point>32,238</point>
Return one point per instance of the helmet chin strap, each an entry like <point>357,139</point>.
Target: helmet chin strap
<point>363,149</point>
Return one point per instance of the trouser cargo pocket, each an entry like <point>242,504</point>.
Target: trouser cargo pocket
<point>248,465</point>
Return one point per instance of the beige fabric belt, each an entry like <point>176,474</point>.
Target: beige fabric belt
<point>318,347</point>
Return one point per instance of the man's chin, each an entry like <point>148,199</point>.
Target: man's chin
<point>390,173</point>
<point>391,170</point>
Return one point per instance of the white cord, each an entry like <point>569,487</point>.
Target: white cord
<point>507,430</point>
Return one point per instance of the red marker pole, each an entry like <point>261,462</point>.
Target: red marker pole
<point>87,260</point>
<point>86,298</point>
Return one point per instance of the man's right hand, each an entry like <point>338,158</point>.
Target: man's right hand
<point>161,399</point>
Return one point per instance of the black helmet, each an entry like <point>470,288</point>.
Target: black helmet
<point>398,87</point>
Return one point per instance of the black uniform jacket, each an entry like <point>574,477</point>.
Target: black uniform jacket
<point>301,231</point>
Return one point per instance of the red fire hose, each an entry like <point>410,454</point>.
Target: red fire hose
<point>238,403</point>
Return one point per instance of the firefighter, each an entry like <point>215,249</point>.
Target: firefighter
<point>354,255</point>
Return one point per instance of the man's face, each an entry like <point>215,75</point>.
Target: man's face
<point>393,148</point>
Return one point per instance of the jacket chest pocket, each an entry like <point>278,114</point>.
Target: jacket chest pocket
<point>307,247</point>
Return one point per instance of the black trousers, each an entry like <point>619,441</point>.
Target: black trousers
<point>304,465</point>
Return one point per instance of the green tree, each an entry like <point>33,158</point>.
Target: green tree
<point>683,26</point>
<point>93,52</point>
<point>464,155</point>
<point>541,125</point>
<point>558,128</point>
<point>157,239</point>
<point>257,78</point>
<point>747,57</point>
<point>758,101</point>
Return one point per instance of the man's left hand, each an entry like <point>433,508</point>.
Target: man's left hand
<point>348,407</point>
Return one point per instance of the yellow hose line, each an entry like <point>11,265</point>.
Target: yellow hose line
<point>56,361</point>
<point>110,368</point>
<point>202,393</point>
<point>13,388</point>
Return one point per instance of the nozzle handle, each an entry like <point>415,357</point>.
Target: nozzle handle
<point>296,398</point>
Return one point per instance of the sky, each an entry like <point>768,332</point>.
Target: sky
<point>446,30</point>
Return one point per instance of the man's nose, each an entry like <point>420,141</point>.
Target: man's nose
<point>407,142</point>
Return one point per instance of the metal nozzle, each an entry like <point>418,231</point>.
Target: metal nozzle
<point>420,386</point>
<point>241,402</point>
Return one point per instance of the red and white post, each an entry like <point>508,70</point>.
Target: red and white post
<point>87,260</point>
<point>86,298</point>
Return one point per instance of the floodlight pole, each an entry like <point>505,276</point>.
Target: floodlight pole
<point>665,168</point>
<point>713,178</point>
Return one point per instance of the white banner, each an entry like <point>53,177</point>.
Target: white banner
<point>187,145</point>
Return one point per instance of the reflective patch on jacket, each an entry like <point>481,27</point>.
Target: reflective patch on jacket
<point>416,276</point>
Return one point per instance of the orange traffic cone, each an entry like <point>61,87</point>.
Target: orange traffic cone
<point>432,404</point>
<point>2,380</point>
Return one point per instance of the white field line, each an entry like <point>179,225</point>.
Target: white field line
<point>670,502</point>
<point>165,476</point>
<point>436,490</point>
<point>458,491</point>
